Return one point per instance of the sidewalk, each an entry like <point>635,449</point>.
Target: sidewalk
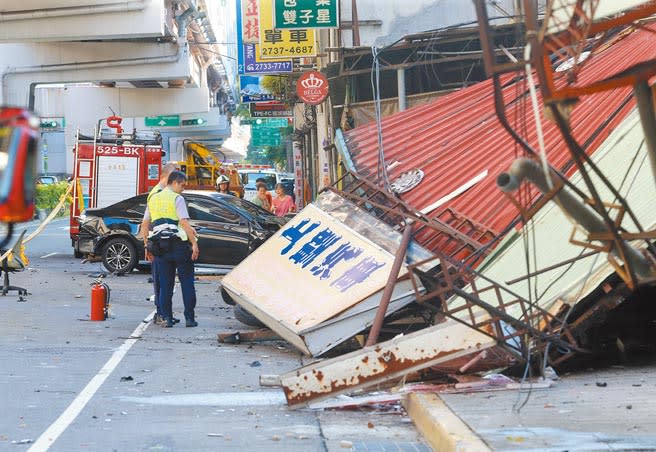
<point>612,409</point>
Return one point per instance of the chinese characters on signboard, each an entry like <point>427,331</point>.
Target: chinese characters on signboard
<point>322,267</point>
<point>289,14</point>
<point>270,110</point>
<point>250,18</point>
<point>276,43</point>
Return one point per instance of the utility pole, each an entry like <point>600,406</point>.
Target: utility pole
<point>355,26</point>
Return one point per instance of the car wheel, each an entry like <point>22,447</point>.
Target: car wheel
<point>246,317</point>
<point>119,256</point>
<point>227,299</point>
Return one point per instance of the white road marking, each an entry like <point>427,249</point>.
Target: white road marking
<point>58,427</point>
<point>263,398</point>
<point>47,255</point>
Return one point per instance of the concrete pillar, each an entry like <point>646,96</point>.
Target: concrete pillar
<point>400,78</point>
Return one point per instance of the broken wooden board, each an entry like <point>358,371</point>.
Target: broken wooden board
<point>382,362</point>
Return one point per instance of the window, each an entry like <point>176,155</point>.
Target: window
<point>249,180</point>
<point>135,205</point>
<point>138,208</point>
<point>246,205</point>
<point>203,210</point>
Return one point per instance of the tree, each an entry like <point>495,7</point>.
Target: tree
<point>277,155</point>
<point>278,85</point>
<point>243,111</point>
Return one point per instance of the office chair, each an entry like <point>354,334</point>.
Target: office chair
<point>14,262</point>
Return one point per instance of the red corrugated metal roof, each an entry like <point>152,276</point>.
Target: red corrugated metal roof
<point>458,136</point>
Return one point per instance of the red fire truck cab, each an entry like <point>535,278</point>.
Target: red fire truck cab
<point>111,168</point>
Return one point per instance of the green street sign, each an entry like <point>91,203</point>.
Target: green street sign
<point>303,14</point>
<point>265,122</point>
<point>163,121</point>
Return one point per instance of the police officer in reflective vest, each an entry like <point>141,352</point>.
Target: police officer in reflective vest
<point>167,169</point>
<point>173,243</point>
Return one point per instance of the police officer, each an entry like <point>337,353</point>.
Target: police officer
<point>167,169</point>
<point>177,246</point>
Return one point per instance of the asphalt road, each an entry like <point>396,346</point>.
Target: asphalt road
<point>69,384</point>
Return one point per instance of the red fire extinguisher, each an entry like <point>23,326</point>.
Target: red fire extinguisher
<point>99,300</point>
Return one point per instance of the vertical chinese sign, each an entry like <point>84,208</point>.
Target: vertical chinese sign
<point>290,14</point>
<point>250,28</point>
<point>298,174</point>
<point>277,43</point>
<point>247,43</point>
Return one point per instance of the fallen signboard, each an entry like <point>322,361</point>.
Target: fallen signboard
<point>328,277</point>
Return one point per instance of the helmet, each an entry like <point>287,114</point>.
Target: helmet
<point>222,179</point>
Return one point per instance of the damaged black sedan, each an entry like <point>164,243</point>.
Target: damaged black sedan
<point>228,228</point>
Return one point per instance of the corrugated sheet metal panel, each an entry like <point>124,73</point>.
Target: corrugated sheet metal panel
<point>458,136</point>
<point>623,160</point>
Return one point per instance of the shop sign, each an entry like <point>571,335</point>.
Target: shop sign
<point>270,110</point>
<point>312,87</point>
<point>250,18</point>
<point>281,43</point>
<point>254,65</point>
<point>290,14</point>
<point>251,89</point>
<point>323,267</point>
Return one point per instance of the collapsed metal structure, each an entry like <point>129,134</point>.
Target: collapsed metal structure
<point>451,271</point>
<point>557,50</point>
<point>459,243</point>
<point>482,314</point>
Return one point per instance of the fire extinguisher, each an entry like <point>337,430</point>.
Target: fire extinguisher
<point>99,300</point>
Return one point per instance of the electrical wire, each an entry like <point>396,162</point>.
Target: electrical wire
<point>375,86</point>
<point>536,113</point>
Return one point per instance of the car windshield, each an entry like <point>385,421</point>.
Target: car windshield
<point>249,207</point>
<point>249,179</point>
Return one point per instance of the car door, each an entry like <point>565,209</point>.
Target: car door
<point>223,234</point>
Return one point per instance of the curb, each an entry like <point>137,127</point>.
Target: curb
<point>440,426</point>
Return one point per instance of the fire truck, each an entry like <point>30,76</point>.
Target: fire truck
<point>109,168</point>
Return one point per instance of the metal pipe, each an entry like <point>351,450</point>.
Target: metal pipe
<point>183,20</point>
<point>389,287</point>
<point>400,79</point>
<point>645,100</point>
<point>586,216</point>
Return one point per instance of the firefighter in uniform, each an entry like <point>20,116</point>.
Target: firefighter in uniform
<point>173,243</point>
<point>167,169</point>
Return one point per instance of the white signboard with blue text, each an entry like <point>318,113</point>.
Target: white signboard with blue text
<point>311,270</point>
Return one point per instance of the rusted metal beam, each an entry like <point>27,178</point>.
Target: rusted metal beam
<point>381,363</point>
<point>389,287</point>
